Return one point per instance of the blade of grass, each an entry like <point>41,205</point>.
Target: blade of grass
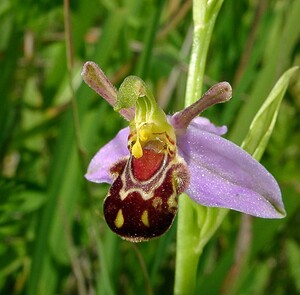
<point>280,43</point>
<point>263,123</point>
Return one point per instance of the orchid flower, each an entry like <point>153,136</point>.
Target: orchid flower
<point>157,157</point>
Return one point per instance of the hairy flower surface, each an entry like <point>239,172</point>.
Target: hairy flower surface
<point>158,157</point>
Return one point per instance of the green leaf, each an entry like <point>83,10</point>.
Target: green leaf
<point>263,123</point>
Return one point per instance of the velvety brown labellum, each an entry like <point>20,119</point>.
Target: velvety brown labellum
<point>142,201</point>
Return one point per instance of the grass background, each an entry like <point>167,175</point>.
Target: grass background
<point>53,238</point>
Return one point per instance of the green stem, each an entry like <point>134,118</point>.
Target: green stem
<point>204,17</point>
<point>196,224</point>
<point>186,254</point>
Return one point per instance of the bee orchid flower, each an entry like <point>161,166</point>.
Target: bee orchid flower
<point>151,162</point>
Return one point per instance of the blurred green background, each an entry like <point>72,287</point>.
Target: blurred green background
<point>53,238</point>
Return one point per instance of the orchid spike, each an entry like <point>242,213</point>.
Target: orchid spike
<point>158,157</point>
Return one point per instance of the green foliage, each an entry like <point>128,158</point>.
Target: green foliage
<point>53,238</point>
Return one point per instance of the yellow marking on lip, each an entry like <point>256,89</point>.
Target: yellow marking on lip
<point>119,221</point>
<point>137,150</point>
<point>157,203</point>
<point>172,202</point>
<point>145,218</point>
